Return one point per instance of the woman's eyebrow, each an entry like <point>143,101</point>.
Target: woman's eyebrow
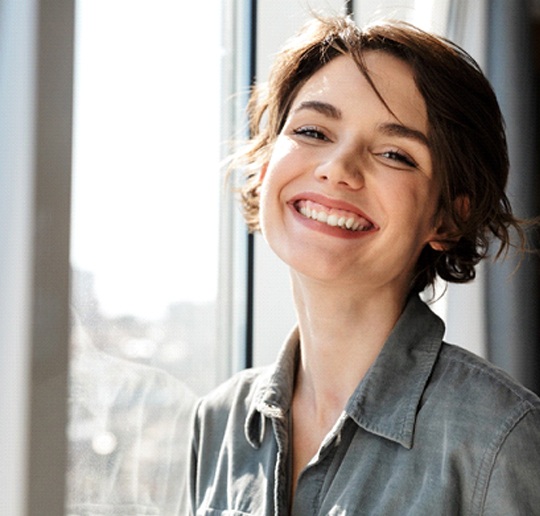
<point>324,108</point>
<point>402,131</point>
<point>389,129</point>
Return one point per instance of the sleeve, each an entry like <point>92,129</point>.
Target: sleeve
<point>513,487</point>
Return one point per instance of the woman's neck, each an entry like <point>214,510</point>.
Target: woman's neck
<point>342,330</point>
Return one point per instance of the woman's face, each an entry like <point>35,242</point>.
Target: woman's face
<point>349,193</point>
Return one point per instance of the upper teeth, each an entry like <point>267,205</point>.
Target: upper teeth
<point>342,221</point>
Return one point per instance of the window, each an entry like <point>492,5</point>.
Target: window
<point>146,181</point>
<point>144,252</point>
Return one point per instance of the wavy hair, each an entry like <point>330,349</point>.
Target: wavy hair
<point>466,133</point>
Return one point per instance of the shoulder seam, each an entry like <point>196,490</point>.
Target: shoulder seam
<point>494,448</point>
<point>494,372</point>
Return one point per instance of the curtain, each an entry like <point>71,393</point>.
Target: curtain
<point>513,286</point>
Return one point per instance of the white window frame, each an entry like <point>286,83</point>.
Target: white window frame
<point>36,60</point>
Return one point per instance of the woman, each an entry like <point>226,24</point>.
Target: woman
<point>378,162</point>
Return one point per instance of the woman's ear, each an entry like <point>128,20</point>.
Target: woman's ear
<point>442,240</point>
<point>447,233</point>
<point>439,245</point>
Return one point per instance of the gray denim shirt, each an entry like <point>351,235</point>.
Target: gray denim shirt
<point>430,430</point>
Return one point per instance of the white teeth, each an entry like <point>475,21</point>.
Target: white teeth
<point>322,216</point>
<point>332,219</point>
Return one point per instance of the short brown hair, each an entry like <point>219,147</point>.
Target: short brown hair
<point>466,132</point>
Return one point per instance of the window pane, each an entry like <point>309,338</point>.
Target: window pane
<point>144,246</point>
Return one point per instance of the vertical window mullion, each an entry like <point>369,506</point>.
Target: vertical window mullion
<point>50,329</point>
<point>250,283</point>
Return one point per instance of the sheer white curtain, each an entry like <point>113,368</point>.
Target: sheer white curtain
<point>16,178</point>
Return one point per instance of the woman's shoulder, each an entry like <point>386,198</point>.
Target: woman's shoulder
<point>238,391</point>
<point>468,379</point>
<point>494,422</point>
<point>254,389</point>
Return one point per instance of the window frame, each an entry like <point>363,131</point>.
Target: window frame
<point>37,56</point>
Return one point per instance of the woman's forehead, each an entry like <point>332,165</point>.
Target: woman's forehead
<point>391,87</point>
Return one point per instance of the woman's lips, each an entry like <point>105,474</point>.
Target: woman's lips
<point>331,213</point>
<point>334,217</point>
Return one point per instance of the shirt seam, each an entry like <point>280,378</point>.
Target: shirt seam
<point>489,458</point>
<point>496,375</point>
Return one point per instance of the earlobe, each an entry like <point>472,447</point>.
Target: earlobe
<point>444,235</point>
<point>447,233</point>
<point>439,240</point>
<point>437,245</point>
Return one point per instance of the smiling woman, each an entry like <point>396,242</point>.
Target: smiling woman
<point>373,152</point>
<point>362,165</point>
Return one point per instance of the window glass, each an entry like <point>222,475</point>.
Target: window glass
<point>144,247</point>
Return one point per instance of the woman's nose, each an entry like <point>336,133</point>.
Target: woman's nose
<point>341,169</point>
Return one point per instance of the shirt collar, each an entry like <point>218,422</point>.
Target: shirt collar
<point>386,401</point>
<point>274,395</point>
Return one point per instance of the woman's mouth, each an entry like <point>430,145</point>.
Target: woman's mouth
<point>333,217</point>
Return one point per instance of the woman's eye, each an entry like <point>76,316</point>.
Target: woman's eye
<point>400,158</point>
<point>311,132</point>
